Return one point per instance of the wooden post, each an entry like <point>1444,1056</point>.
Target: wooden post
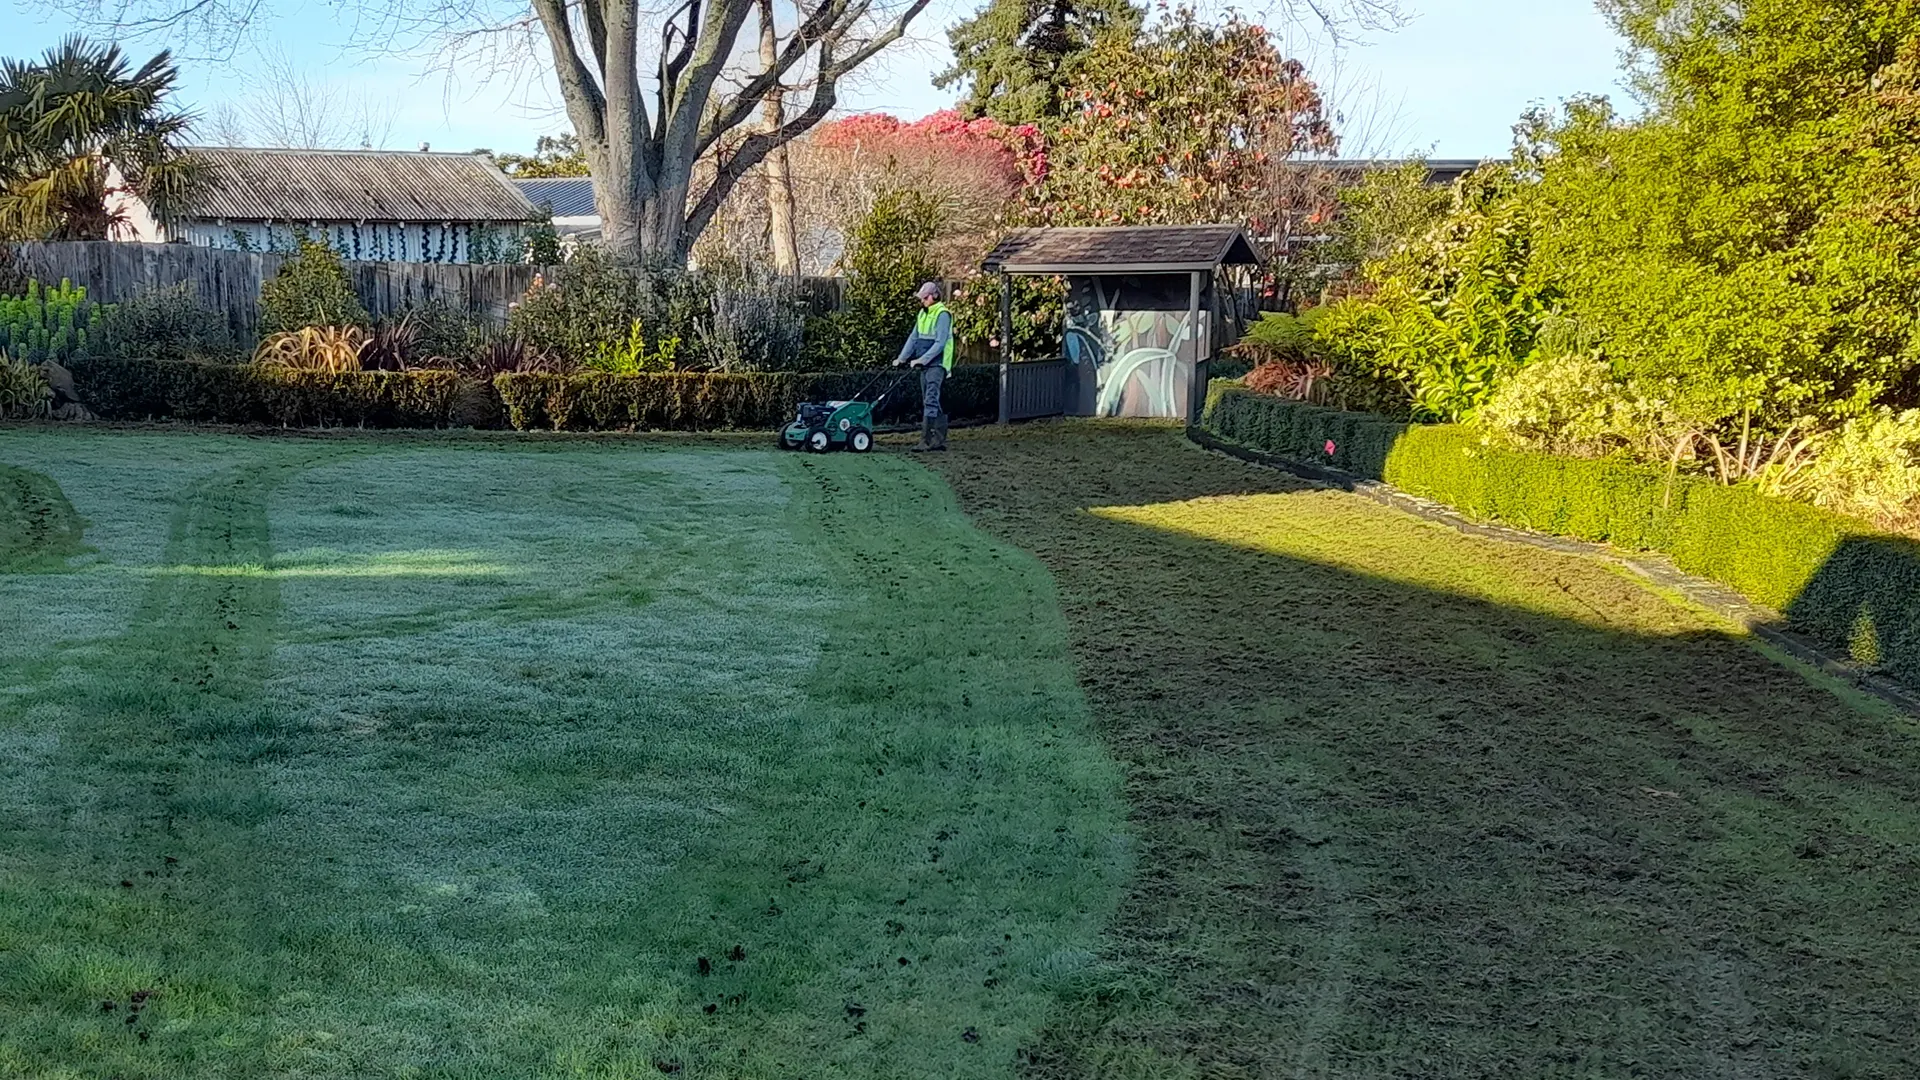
<point>1006,345</point>
<point>1194,388</point>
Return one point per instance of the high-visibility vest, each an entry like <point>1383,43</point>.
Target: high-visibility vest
<point>929,320</point>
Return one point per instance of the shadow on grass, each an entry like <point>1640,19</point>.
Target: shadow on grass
<point>1867,594</point>
<point>39,529</point>
<point>1415,804</point>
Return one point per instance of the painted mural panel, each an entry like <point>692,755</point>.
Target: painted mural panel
<point>1132,344</point>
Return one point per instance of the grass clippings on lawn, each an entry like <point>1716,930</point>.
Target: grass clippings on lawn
<point>1417,804</point>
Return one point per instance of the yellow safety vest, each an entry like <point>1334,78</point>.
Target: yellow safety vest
<point>929,320</point>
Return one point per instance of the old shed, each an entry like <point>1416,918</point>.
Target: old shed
<point>372,205</point>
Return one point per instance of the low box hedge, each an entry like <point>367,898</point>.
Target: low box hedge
<point>217,393</point>
<point>1837,579</point>
<point>693,401</point>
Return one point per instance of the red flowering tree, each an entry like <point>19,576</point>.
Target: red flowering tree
<point>1010,155</point>
<point>973,172</point>
<point>1187,124</point>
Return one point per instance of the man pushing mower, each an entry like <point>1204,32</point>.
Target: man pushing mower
<point>930,348</point>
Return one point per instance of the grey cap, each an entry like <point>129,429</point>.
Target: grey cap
<point>929,290</point>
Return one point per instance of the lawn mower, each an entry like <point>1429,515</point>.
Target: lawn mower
<point>821,426</point>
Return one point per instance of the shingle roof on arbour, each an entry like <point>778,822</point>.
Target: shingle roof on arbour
<point>1122,249</point>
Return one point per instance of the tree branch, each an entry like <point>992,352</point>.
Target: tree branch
<point>676,62</point>
<point>754,148</point>
<point>712,48</point>
<point>586,105</point>
<point>866,52</point>
<point>818,23</point>
<point>627,128</point>
<point>595,16</point>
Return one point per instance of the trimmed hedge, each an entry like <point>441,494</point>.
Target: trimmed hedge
<point>218,393</point>
<point>1836,579</point>
<point>686,401</point>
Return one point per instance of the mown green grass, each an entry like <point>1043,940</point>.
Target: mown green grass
<point>382,758</point>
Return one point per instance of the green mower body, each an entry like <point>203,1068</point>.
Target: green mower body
<point>822,426</point>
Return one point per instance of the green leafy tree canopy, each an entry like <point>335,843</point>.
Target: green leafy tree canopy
<point>1744,258</point>
<point>1019,57</point>
<point>553,156</point>
<point>1191,122</point>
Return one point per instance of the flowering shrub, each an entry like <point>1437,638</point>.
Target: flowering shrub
<point>1039,310</point>
<point>969,173</point>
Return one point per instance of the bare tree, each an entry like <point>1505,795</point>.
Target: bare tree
<point>285,107</point>
<point>643,88</point>
<point>222,126</point>
<point>1341,22</point>
<point>780,228</point>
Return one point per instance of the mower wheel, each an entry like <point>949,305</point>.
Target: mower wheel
<point>819,442</point>
<point>860,440</point>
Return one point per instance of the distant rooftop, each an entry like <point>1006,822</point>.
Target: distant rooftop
<point>256,184</point>
<point>566,196</point>
<point>1439,170</point>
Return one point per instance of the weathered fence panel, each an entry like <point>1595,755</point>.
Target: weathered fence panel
<point>1035,388</point>
<point>229,281</point>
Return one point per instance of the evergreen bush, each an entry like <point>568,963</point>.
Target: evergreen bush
<point>311,288</point>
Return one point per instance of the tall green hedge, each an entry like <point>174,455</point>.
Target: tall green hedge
<point>704,402</point>
<point>1836,578</point>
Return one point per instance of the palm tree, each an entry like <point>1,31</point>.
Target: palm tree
<point>65,119</point>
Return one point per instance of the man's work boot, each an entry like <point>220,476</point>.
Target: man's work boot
<point>939,432</point>
<point>926,436</point>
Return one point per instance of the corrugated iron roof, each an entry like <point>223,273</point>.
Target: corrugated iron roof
<point>1122,249</point>
<point>567,196</point>
<point>244,184</point>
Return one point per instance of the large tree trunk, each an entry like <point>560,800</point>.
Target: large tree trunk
<point>619,206</point>
<point>786,246</point>
<point>643,162</point>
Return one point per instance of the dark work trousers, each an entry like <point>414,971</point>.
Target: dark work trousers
<point>932,377</point>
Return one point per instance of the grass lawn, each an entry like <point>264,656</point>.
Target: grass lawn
<point>1415,804</point>
<point>1084,754</point>
<point>436,758</point>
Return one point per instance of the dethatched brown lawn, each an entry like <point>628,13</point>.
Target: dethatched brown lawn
<point>1414,804</point>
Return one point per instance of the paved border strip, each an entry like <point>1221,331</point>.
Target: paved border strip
<point>1763,623</point>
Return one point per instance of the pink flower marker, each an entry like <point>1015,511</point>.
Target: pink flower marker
<point>1329,447</point>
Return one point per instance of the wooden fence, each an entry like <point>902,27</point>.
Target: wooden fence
<point>229,281</point>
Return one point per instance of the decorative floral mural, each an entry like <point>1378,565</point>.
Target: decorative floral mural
<point>1132,338</point>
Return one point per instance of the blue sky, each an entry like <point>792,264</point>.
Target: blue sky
<point>1451,83</point>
